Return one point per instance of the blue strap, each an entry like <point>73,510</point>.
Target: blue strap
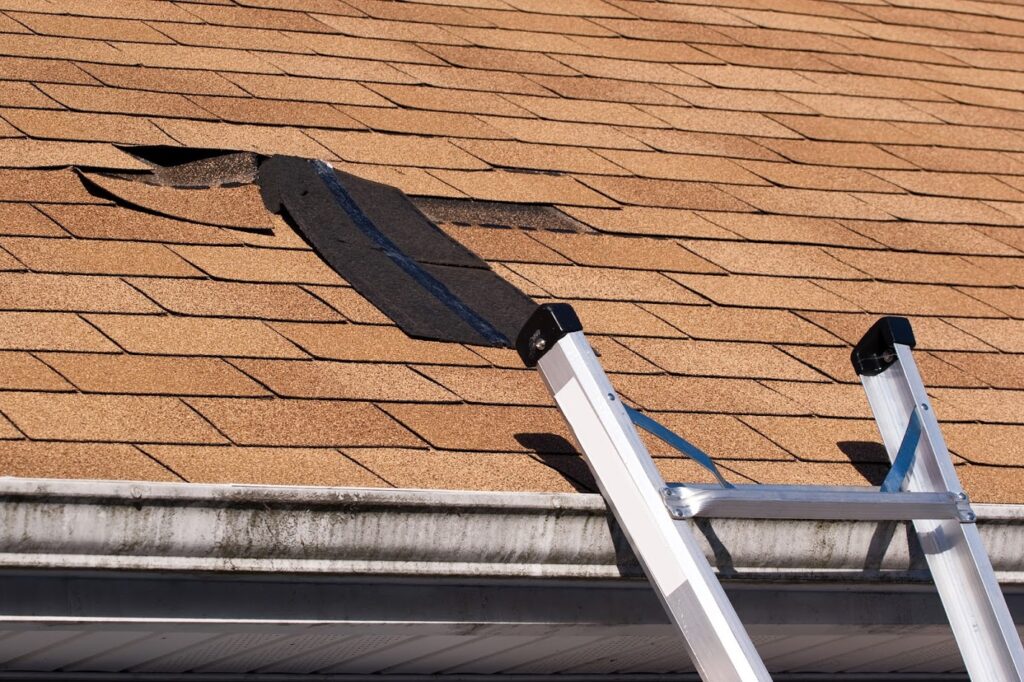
<point>893,482</point>
<point>692,451</point>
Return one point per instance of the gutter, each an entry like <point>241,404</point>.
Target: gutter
<point>137,526</point>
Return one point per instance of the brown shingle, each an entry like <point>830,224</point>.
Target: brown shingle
<point>774,259</point>
<point>24,220</point>
<point>604,283</point>
<point>741,324</point>
<point>500,60</point>
<point>137,374</point>
<point>79,460</point>
<point>564,132</point>
<point>396,150</point>
<point>605,89</point>
<point>682,167</point>
<point>647,220</point>
<point>204,35</point>
<point>716,121</point>
<point>349,380</point>
<point>263,466</point>
<point>135,102</point>
<point>190,57</point>
<point>115,418</point>
<point>998,371</point>
<point>539,157</point>
<point>50,331</point>
<point>917,267</point>
<point>60,186</point>
<point>227,206</point>
<point>981,405</point>
<point>238,137</point>
<point>809,202</point>
<point>907,299</point>
<point>96,257</point>
<point>936,209</point>
<point>27,95</point>
<point>373,343</point>
<point>587,111</point>
<point>986,443</point>
<point>487,429</point>
<point>276,112</point>
<point>908,236</point>
<point>992,484</point>
<point>705,144</point>
<point>115,222</point>
<point>232,299</point>
<point>1009,301</point>
<point>31,291</point>
<point>835,364</point>
<point>835,153</point>
<point>821,439</point>
<point>259,265</point>
<point>721,359</point>
<point>627,319</point>
<point>313,423</point>
<point>87,27</point>
<point>835,178</point>
<point>195,336</point>
<point>825,400</point>
<point>721,436</point>
<point>159,80</point>
<point>443,99</point>
<point>931,333</point>
<point>350,303</point>
<point>764,292</point>
<point>42,70</point>
<point>811,473</point>
<point>23,372</point>
<point>490,385</point>
<point>295,88</point>
<point>506,245</point>
<point>71,125</point>
<point>1005,335</point>
<point>26,153</point>
<point>471,79</point>
<point>699,394</point>
<point>666,193</point>
<point>522,187</point>
<point>625,252</point>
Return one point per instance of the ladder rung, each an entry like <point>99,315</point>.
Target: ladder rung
<point>811,502</point>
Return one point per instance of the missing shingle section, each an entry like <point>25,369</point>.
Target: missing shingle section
<point>499,214</point>
<point>391,253</point>
<point>185,168</point>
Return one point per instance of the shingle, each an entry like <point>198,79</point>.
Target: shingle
<point>909,236</point>
<point>24,220</point>
<point>667,193</point>
<point>720,436</point>
<point>563,132</point>
<point>539,157</point>
<point>848,130</point>
<point>500,60</point>
<point>276,112</point>
<point>79,460</point>
<point>625,319</point>
<point>263,466</point>
<point>605,89</point>
<point>443,99</point>
<point>822,439</point>
<point>490,385</point>
<point>28,153</point>
<point>348,380</point>
<point>764,292</point>
<point>115,222</point>
<point>506,245</point>
<point>741,324</point>
<point>638,253</point>
<point>1009,301</point>
<point>717,121</point>
<point>797,59</point>
<point>350,303</point>
<point>996,370</point>
<point>396,150</point>
<point>751,78</point>
<point>916,267</point>
<point>295,88</point>
<point>486,428</point>
<point>227,206</point>
<point>796,229</point>
<point>238,137</point>
<point>774,259</point>
<point>957,160</point>
<point>50,331</point>
<point>194,336</point>
<point>978,405</point>
<point>835,364</point>
<point>699,394</point>
<point>114,418</point>
<point>259,265</point>
<point>617,359</point>
<point>308,423</point>
<point>462,470</point>
<point>187,82</point>
<point>705,144</point>
<point>721,359</point>
<point>609,284</point>
<point>32,291</point>
<point>205,35</point>
<point>42,70</point>
<point>231,299</point>
<point>986,443</point>
<point>809,202</point>
<point>259,18</point>
<point>73,125</point>
<point>992,484</point>
<point>93,28</point>
<point>811,473</point>
<point>471,79</point>
<point>824,400</point>
<point>587,111</point>
<point>729,99</point>
<point>682,167</point>
<point>415,32</point>
<point>26,95</point>
<point>819,177</point>
<point>23,372</point>
<point>522,187</point>
<point>849,154</point>
<point>148,375</point>
<point>647,220</point>
<point>572,8</point>
<point>54,47</point>
<point>373,343</point>
<point>931,333</point>
<point>1005,335</point>
<point>59,186</point>
<point>97,257</point>
<point>908,299</point>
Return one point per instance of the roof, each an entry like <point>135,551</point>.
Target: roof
<point>728,194</point>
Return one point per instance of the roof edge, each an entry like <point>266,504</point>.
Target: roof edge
<point>69,524</point>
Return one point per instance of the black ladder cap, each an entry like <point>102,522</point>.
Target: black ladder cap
<point>877,349</point>
<point>548,323</point>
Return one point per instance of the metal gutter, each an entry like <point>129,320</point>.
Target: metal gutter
<point>61,524</point>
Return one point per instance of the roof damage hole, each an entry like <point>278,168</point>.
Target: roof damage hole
<point>371,234</point>
<point>376,238</point>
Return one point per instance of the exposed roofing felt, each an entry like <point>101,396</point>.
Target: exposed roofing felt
<point>728,193</point>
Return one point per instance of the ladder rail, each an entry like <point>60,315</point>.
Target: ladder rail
<point>669,553</point>
<point>960,566</point>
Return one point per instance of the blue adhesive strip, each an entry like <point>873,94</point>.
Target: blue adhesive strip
<point>678,442</point>
<point>407,264</point>
<point>893,482</point>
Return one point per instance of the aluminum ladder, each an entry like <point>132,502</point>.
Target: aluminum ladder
<point>921,487</point>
